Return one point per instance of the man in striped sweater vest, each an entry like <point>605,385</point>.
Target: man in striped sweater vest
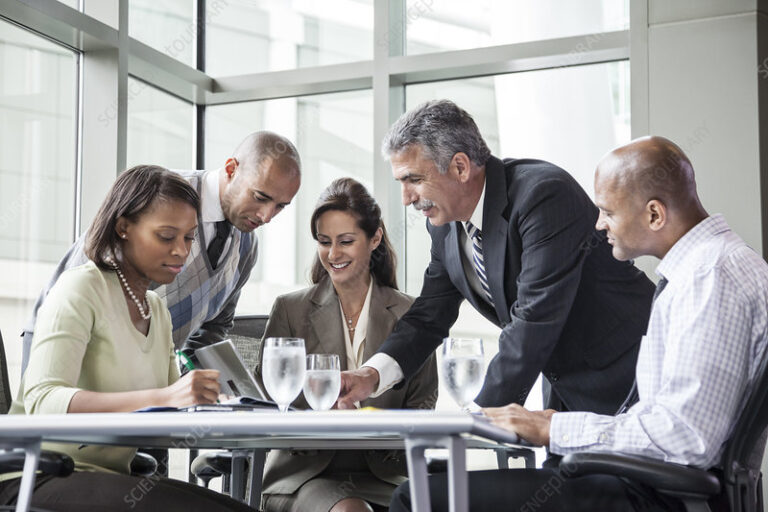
<point>255,184</point>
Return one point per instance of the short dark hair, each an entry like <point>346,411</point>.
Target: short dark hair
<point>133,193</point>
<point>349,195</point>
<point>442,129</point>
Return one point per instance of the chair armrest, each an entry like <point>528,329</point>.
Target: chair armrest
<point>212,464</point>
<point>143,464</point>
<point>665,477</point>
<point>51,463</point>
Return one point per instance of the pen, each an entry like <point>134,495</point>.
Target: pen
<point>185,360</point>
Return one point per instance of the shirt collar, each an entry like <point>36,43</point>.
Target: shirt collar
<point>674,260</point>
<point>477,216</point>
<point>210,202</point>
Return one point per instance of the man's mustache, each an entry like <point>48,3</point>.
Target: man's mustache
<point>423,204</point>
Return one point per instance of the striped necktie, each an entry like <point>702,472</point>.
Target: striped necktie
<point>477,257</point>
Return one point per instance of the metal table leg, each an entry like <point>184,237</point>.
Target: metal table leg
<point>502,458</point>
<point>31,461</point>
<point>458,487</point>
<point>257,473</point>
<point>192,454</point>
<point>417,474</point>
<point>237,478</point>
<point>458,484</point>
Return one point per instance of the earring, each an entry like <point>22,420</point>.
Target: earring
<point>123,235</point>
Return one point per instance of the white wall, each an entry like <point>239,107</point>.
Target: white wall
<point>702,90</point>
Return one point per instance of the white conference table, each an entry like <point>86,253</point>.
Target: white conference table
<point>246,432</point>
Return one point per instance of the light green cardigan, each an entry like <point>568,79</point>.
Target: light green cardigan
<point>85,340</point>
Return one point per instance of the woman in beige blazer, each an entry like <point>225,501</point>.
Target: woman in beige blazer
<point>351,308</point>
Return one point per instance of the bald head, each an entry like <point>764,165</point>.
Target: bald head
<point>651,168</point>
<point>647,197</point>
<point>262,145</point>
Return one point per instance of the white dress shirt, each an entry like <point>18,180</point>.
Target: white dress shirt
<point>210,209</point>
<point>707,335</point>
<point>466,244</point>
<point>389,370</point>
<point>355,347</point>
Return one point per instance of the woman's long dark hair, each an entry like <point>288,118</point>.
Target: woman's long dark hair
<point>348,195</point>
<point>131,195</point>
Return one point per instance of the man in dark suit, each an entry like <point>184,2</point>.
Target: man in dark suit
<point>517,239</point>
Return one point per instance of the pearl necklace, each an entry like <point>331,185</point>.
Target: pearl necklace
<point>350,319</point>
<point>148,314</point>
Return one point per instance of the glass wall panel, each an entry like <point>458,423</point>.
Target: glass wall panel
<point>251,36</point>
<point>529,115</point>
<point>38,101</point>
<point>165,25</point>
<point>161,128</point>
<point>457,25</point>
<point>334,135</point>
<point>75,4</point>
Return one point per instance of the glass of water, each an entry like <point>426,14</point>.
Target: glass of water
<point>323,381</point>
<point>462,369</point>
<point>283,369</point>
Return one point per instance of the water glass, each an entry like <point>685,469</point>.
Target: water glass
<point>283,369</point>
<point>323,382</point>
<point>462,368</point>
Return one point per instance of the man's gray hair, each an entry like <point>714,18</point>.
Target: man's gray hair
<point>442,129</point>
<point>257,146</point>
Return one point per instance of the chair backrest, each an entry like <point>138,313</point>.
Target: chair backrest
<point>246,334</point>
<point>5,387</point>
<point>743,452</point>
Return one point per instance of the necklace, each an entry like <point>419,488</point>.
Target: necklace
<point>148,314</point>
<point>350,320</point>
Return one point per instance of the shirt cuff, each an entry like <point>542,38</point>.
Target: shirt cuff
<point>572,432</point>
<point>389,370</point>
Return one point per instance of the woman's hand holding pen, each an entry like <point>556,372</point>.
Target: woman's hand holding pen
<point>196,387</point>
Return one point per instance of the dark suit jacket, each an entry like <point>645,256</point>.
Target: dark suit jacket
<point>566,307</point>
<point>313,314</point>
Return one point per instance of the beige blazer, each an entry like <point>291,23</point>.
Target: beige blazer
<point>313,314</point>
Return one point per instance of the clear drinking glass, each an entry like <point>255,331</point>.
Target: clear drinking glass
<point>283,369</point>
<point>462,368</point>
<point>323,381</point>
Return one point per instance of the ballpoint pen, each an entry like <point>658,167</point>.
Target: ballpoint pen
<point>185,360</point>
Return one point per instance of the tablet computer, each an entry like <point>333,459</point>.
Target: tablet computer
<point>235,378</point>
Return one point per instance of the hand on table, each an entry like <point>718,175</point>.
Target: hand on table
<point>356,386</point>
<point>533,426</point>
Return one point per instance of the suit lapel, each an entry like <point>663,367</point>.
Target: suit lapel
<point>381,319</point>
<point>495,234</point>
<point>325,320</point>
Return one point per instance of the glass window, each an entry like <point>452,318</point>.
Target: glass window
<point>334,136</point>
<point>75,4</point>
<point>286,34</point>
<point>166,25</point>
<point>161,128</point>
<point>529,115</point>
<point>38,101</point>
<point>456,25</point>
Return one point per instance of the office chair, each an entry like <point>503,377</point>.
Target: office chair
<point>737,482</point>
<point>246,334</point>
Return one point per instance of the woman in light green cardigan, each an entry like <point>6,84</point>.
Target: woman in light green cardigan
<point>103,343</point>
